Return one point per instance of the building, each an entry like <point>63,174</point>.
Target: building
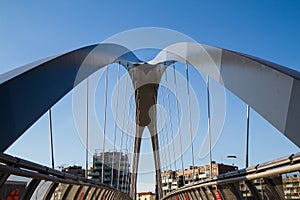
<point>145,196</point>
<point>13,190</point>
<point>203,172</point>
<point>291,187</point>
<point>116,170</point>
<point>75,170</point>
<point>171,180</point>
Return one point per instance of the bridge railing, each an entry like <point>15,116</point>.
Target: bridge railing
<point>278,179</point>
<point>42,182</point>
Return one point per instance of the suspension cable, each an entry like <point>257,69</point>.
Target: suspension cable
<point>125,167</point>
<point>190,118</point>
<point>115,126</point>
<point>167,138</point>
<point>137,130</point>
<point>122,134</point>
<point>104,134</point>
<point>170,119</point>
<point>156,150</point>
<point>208,126</point>
<point>87,129</point>
<point>130,162</point>
<point>178,121</point>
<point>129,152</point>
<point>51,138</point>
<point>125,179</point>
<point>162,143</point>
<point>163,154</point>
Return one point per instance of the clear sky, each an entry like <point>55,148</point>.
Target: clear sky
<point>31,30</point>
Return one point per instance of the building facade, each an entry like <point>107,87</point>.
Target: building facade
<point>172,180</point>
<point>75,170</point>
<point>116,170</point>
<point>291,187</point>
<point>146,196</point>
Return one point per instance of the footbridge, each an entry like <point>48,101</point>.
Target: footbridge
<point>273,91</point>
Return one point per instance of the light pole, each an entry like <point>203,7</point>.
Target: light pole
<point>247,140</point>
<point>247,137</point>
<point>51,138</point>
<point>87,129</point>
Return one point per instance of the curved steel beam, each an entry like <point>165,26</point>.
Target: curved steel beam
<point>29,91</point>
<point>270,89</point>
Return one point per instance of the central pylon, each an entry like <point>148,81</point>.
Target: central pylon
<point>146,79</point>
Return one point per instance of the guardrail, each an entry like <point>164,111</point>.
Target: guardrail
<point>278,179</point>
<point>54,183</point>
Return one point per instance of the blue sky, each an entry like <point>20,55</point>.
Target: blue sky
<point>31,30</point>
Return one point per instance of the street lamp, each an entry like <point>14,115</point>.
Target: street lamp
<point>231,156</point>
<point>236,157</point>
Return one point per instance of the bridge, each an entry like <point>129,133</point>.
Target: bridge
<point>30,91</point>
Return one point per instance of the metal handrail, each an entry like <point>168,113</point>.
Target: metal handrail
<point>20,167</point>
<point>276,167</point>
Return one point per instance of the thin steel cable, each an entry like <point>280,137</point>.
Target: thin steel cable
<point>167,138</point>
<point>122,134</point>
<point>137,131</point>
<point>128,153</point>
<point>87,129</point>
<point>133,129</point>
<point>115,125</point>
<point>130,163</point>
<point>170,119</point>
<point>51,138</point>
<point>208,126</point>
<point>163,152</point>
<point>162,143</point>
<point>131,150</point>
<point>156,150</point>
<point>159,135</point>
<point>178,121</point>
<point>132,142</point>
<point>104,129</point>
<point>126,179</point>
<point>190,119</point>
<point>125,167</point>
